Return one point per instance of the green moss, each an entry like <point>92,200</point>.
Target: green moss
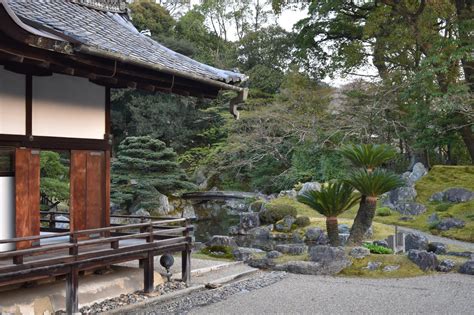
<point>301,209</point>
<point>218,251</point>
<point>302,221</point>
<point>443,207</point>
<point>407,268</point>
<point>439,179</point>
<point>376,249</point>
<point>383,212</point>
<point>274,211</point>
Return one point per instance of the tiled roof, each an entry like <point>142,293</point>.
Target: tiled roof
<point>112,32</point>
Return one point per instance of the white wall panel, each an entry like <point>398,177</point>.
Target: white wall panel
<point>70,107</point>
<point>12,103</point>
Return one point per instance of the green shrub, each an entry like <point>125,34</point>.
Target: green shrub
<point>275,212</point>
<point>376,249</point>
<point>302,221</point>
<point>218,251</point>
<point>443,207</point>
<point>384,212</point>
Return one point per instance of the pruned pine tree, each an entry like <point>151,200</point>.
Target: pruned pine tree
<point>144,169</point>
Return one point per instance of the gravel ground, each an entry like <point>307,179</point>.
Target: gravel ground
<point>437,294</point>
<point>201,298</point>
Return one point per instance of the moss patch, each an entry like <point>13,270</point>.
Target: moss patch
<point>440,178</point>
<point>218,251</point>
<point>302,209</point>
<point>407,268</point>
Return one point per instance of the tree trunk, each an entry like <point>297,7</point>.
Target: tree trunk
<point>333,231</point>
<point>468,138</point>
<point>363,220</point>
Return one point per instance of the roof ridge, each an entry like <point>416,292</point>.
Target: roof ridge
<point>116,6</point>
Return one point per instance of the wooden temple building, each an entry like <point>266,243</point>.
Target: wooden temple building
<point>59,61</point>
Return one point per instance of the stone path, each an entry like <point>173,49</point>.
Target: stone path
<point>298,294</point>
<point>434,238</point>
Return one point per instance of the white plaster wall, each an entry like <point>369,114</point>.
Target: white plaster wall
<point>12,103</point>
<point>65,106</point>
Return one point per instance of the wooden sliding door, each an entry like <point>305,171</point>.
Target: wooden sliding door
<point>88,190</point>
<point>27,186</point>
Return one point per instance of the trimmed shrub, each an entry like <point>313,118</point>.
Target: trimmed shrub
<point>302,221</point>
<point>218,251</point>
<point>384,212</point>
<point>376,249</point>
<point>274,213</point>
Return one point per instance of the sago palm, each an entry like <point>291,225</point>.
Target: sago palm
<point>368,156</point>
<point>331,201</point>
<point>370,185</point>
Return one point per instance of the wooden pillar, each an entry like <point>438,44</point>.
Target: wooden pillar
<point>72,285</point>
<point>186,265</point>
<point>148,273</point>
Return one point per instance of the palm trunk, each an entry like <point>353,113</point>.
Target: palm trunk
<point>333,231</point>
<point>363,220</point>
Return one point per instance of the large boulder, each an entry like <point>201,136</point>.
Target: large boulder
<point>249,220</point>
<point>261,263</point>
<point>313,234</point>
<point>332,258</point>
<point>261,232</point>
<point>273,254</point>
<point>288,193</point>
<point>292,249</point>
<point>419,170</point>
<point>437,248</point>
<point>450,223</point>
<point>221,240</point>
<point>62,225</point>
<point>309,186</point>
<point>410,208</point>
<point>343,229</point>
<point>423,259</point>
<point>245,253</point>
<point>467,268</point>
<point>164,207</point>
<point>416,241</point>
<point>285,224</point>
<point>446,265</point>
<point>397,196</point>
<point>454,195</point>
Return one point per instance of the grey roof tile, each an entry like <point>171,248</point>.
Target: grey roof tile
<point>112,32</point>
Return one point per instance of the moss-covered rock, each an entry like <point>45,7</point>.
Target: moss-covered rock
<point>302,221</point>
<point>218,251</point>
<point>276,212</point>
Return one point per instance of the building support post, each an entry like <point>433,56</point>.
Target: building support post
<point>186,265</point>
<point>148,273</point>
<point>72,285</point>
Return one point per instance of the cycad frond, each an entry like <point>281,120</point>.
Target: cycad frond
<point>332,200</point>
<point>375,183</point>
<point>368,156</point>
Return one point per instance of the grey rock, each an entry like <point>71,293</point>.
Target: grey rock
<point>234,230</point>
<point>465,254</point>
<point>296,237</point>
<point>423,259</point>
<point>330,256</point>
<point>369,233</point>
<point>359,252</point>
<point>261,263</point>
<point>292,249</point>
<point>313,234</point>
<point>262,232</point>
<point>396,197</point>
<point>419,170</point>
<point>450,223</point>
<point>221,240</point>
<point>446,265</point>
<point>454,195</point>
<point>309,186</point>
<point>343,229</point>
<point>373,265</point>
<point>284,225</point>
<point>274,254</point>
<point>416,241</point>
<point>288,193</point>
<point>382,243</point>
<point>309,268</point>
<point>391,268</point>
<point>437,248</point>
<point>467,268</point>
<point>410,208</point>
<point>433,218</point>
<point>236,205</point>
<point>256,206</point>
<point>189,212</point>
<point>343,239</point>
<point>164,207</point>
<point>245,253</point>
<point>249,220</point>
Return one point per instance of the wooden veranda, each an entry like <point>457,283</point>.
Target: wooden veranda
<point>97,248</point>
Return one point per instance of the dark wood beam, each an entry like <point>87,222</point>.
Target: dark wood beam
<point>54,143</point>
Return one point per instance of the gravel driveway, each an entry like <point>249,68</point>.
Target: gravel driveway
<point>437,294</point>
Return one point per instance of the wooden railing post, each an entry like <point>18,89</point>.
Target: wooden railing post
<point>51,221</point>
<point>186,258</point>
<point>149,265</point>
<point>72,285</point>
